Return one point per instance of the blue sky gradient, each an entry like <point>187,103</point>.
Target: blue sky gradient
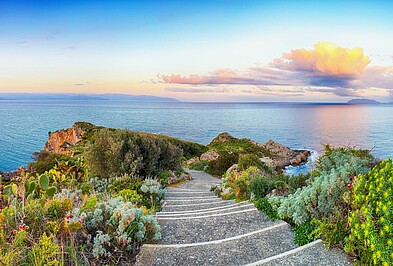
<point>129,46</point>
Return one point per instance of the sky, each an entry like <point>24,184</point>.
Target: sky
<point>216,50</point>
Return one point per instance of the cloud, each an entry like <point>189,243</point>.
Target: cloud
<point>326,59</point>
<point>340,71</point>
<point>200,90</point>
<point>251,76</point>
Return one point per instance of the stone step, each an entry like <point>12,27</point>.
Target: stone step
<point>209,227</point>
<point>185,206</point>
<point>203,210</point>
<point>187,197</point>
<point>235,207</point>
<point>314,253</point>
<point>184,201</point>
<point>172,194</point>
<point>239,250</point>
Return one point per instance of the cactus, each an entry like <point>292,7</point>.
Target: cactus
<point>44,181</point>
<point>30,187</point>
<point>51,191</point>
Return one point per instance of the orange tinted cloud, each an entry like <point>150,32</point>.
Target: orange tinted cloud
<point>325,59</point>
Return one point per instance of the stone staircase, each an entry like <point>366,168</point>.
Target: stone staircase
<point>199,228</point>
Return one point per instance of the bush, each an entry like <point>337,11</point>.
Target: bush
<point>117,152</point>
<point>247,160</point>
<point>264,206</point>
<point>242,183</point>
<point>323,197</point>
<point>199,165</point>
<point>370,220</point>
<point>304,233</point>
<point>219,166</point>
<point>260,186</point>
<point>100,228</point>
<point>44,161</point>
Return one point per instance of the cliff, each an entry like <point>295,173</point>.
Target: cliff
<point>62,140</point>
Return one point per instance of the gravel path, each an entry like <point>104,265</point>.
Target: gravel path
<point>200,229</point>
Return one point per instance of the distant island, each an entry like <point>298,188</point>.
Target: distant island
<point>83,97</point>
<point>363,101</point>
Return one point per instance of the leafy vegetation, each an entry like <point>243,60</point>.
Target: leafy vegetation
<point>220,166</point>
<point>323,197</point>
<point>68,210</point>
<point>370,218</point>
<point>200,165</point>
<point>113,153</point>
<point>239,146</point>
<point>264,206</point>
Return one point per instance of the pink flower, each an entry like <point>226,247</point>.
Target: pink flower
<point>14,232</point>
<point>349,186</point>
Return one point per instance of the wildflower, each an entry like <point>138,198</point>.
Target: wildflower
<point>21,227</point>
<point>27,228</point>
<point>3,226</point>
<point>14,232</point>
<point>349,186</point>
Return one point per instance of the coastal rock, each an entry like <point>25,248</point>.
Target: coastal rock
<point>210,155</point>
<point>283,156</point>
<point>222,137</point>
<point>62,140</point>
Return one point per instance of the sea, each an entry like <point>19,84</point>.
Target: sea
<point>24,125</point>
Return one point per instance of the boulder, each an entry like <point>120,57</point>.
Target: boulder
<point>210,155</point>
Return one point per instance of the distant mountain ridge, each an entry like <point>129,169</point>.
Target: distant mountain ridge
<point>363,101</point>
<point>85,97</point>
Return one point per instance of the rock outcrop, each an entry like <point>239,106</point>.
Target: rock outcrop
<point>210,155</point>
<point>62,140</point>
<point>283,156</point>
<point>223,137</point>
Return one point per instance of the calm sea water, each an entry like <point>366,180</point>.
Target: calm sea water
<point>24,126</point>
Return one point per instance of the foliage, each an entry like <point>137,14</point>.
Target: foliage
<point>260,186</point>
<point>45,252</point>
<point>264,206</point>
<point>323,197</point>
<point>304,233</point>
<point>240,146</point>
<point>47,220</point>
<point>118,152</point>
<point>201,165</point>
<point>115,226</point>
<point>247,160</point>
<point>371,216</point>
<point>219,166</point>
<point>44,161</point>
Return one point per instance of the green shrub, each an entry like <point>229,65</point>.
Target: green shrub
<point>323,197</point>
<point>304,233</point>
<point>118,152</point>
<point>264,206</point>
<point>44,161</point>
<point>200,165</point>
<point>260,186</point>
<point>370,220</point>
<point>242,183</point>
<point>219,166</point>
<point>247,160</point>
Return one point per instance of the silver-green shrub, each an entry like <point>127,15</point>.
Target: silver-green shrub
<point>323,197</point>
